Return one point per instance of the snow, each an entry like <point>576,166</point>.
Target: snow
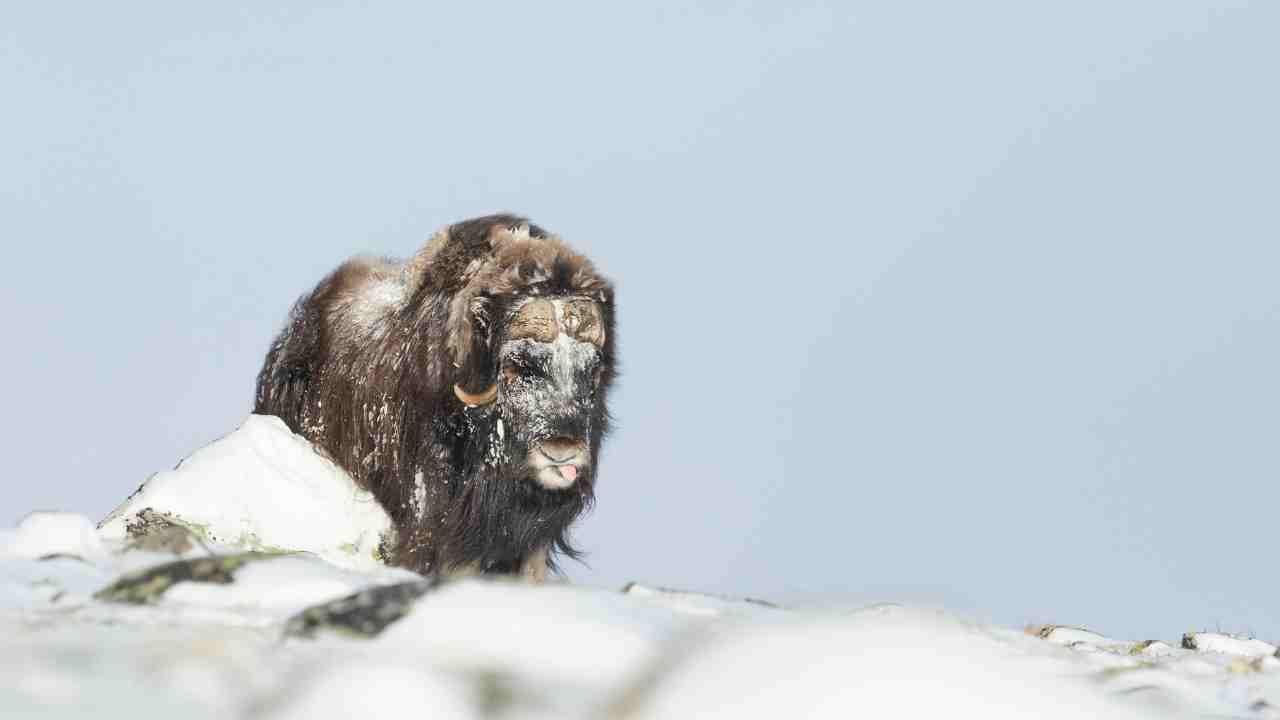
<point>477,648</point>
<point>225,647</point>
<point>1228,644</point>
<point>41,534</point>
<point>906,663</point>
<point>263,487</point>
<point>377,299</point>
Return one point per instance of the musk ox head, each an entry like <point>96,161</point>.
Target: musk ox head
<point>465,387</point>
<point>546,393</point>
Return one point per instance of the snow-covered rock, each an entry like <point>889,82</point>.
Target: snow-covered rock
<point>45,534</point>
<point>262,487</point>
<point>1227,644</point>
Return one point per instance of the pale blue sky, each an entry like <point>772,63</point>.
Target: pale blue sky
<point>974,304</point>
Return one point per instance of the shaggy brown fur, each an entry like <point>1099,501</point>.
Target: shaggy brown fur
<point>366,369</point>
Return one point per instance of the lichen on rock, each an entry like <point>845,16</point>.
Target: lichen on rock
<point>363,614</point>
<point>147,586</point>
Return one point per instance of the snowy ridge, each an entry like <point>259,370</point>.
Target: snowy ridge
<point>473,649</point>
<point>244,584</point>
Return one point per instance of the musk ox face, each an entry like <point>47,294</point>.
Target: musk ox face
<point>465,387</point>
<point>551,366</point>
<point>545,405</point>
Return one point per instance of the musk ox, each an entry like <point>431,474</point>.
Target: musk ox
<point>464,387</point>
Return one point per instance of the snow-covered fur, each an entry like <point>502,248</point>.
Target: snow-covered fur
<point>465,388</point>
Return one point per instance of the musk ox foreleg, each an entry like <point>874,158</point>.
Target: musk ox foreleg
<point>534,567</point>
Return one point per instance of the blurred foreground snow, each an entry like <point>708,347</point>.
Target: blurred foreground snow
<point>91,627</point>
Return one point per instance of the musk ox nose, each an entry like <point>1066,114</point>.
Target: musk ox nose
<point>561,449</point>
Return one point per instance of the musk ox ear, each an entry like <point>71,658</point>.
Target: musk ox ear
<point>476,352</point>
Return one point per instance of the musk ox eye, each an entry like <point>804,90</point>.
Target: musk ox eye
<point>516,372</point>
<point>520,367</point>
<point>510,373</point>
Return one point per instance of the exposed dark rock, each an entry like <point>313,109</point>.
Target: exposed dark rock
<point>149,585</point>
<point>364,614</point>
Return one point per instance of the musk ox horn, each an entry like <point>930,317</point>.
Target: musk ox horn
<point>536,320</point>
<point>475,400</point>
<point>582,321</point>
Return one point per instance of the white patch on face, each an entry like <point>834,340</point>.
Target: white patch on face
<point>568,354</point>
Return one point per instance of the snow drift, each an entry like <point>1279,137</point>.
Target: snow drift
<point>263,487</point>
<point>245,584</point>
